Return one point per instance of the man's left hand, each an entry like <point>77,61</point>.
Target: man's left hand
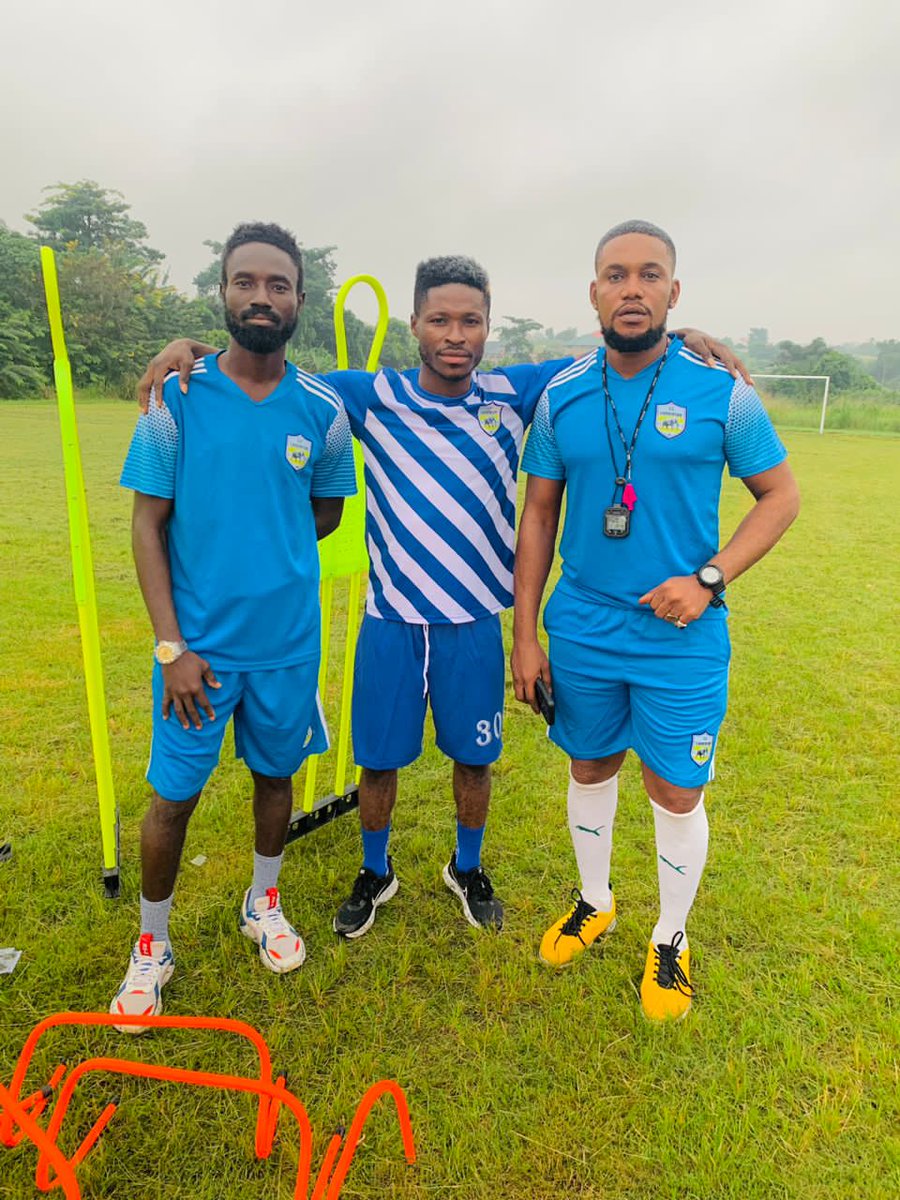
<point>678,600</point>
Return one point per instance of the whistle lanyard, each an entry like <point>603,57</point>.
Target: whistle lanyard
<point>623,480</point>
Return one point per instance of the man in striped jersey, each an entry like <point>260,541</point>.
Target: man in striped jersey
<point>441,446</point>
<point>232,489</point>
<point>638,435</point>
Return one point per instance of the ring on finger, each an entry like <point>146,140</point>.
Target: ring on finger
<point>679,624</point>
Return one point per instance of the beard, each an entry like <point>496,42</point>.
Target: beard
<point>632,345</point>
<point>259,339</point>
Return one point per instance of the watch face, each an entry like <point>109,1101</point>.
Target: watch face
<point>165,654</point>
<point>709,576</point>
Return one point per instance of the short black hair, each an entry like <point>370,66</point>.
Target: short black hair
<point>272,235</point>
<point>450,268</point>
<point>645,227</point>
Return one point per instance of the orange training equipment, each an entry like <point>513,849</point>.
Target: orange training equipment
<point>18,1117</point>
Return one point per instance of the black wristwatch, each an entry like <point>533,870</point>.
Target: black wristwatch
<point>710,576</point>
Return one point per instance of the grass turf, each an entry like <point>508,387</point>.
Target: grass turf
<point>522,1082</point>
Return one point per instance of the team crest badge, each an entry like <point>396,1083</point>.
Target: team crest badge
<point>670,419</point>
<point>296,451</point>
<point>701,748</point>
<point>489,418</point>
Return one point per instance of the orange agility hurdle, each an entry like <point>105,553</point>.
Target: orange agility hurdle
<point>18,1117</point>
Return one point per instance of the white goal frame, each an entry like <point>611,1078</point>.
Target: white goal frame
<point>822,378</point>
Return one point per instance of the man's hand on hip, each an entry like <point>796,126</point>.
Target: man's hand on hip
<point>678,600</point>
<point>183,682</point>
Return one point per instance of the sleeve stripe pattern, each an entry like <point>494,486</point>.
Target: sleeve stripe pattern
<point>319,388</point>
<point>751,443</point>
<point>150,464</point>
<point>335,472</point>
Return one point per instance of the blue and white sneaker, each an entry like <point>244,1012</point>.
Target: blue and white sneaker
<point>281,947</point>
<point>140,995</point>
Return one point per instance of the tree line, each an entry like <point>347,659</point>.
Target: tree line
<point>119,308</point>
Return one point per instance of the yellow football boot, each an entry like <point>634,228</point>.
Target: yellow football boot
<point>579,928</point>
<point>666,990</point>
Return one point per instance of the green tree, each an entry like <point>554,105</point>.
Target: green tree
<point>817,358</point>
<point>886,369</point>
<point>208,280</point>
<point>22,368</point>
<point>515,338</point>
<point>86,217</point>
<point>400,349</point>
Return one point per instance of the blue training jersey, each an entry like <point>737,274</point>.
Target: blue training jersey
<point>242,535</point>
<point>441,488</point>
<point>699,420</point>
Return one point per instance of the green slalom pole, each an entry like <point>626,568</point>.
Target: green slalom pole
<point>83,577</point>
<point>343,554</point>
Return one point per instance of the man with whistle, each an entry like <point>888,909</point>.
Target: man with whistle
<point>637,434</point>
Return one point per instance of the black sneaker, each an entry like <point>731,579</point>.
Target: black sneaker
<point>481,906</point>
<point>356,915</point>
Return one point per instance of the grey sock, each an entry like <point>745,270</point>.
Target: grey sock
<point>155,917</point>
<point>265,874</point>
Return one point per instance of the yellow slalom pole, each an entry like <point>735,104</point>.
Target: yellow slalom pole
<point>355,585</point>
<point>340,329</point>
<point>340,772</point>
<point>83,577</point>
<point>326,593</point>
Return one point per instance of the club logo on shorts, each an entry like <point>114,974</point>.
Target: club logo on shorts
<point>297,449</point>
<point>489,418</point>
<point>670,419</point>
<point>701,748</point>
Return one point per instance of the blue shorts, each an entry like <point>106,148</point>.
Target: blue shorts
<point>624,678</point>
<point>400,668</point>
<point>278,723</point>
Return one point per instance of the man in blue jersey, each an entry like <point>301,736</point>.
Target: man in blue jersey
<point>637,435</point>
<point>441,446</point>
<point>231,492</point>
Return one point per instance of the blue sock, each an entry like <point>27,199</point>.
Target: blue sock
<point>375,846</point>
<point>468,847</point>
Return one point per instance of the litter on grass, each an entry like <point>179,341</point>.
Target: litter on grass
<point>9,956</point>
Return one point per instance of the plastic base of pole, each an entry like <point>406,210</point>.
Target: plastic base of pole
<point>325,810</point>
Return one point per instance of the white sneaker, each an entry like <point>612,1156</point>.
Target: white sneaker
<point>281,947</point>
<point>140,995</point>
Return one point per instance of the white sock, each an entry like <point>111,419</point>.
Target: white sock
<point>155,917</point>
<point>592,810</point>
<point>681,843</point>
<point>265,874</point>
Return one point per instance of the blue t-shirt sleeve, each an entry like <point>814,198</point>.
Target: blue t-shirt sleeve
<point>150,462</point>
<point>751,443</point>
<point>355,389</point>
<point>542,455</point>
<point>529,381</point>
<point>335,472</point>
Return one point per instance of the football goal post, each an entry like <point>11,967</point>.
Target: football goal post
<point>824,379</point>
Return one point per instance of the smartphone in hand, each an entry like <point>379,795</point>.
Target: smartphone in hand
<point>546,703</point>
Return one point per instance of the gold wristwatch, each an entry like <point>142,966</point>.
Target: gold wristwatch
<point>168,652</point>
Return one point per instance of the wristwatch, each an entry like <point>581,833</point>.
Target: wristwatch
<point>169,652</point>
<point>710,576</point>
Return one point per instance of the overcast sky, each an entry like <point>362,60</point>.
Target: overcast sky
<point>764,136</point>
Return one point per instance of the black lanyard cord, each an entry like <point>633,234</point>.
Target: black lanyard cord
<point>610,406</point>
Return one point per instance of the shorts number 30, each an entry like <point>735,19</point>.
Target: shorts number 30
<point>487,731</point>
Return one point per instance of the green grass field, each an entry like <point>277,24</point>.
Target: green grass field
<point>522,1083</point>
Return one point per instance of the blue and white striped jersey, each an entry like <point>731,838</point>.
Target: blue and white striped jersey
<point>441,488</point>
